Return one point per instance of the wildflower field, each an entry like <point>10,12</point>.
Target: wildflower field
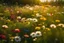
<point>31,24</point>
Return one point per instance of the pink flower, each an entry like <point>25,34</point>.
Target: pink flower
<point>26,35</point>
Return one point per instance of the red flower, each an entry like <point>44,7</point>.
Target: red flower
<point>17,30</point>
<point>12,16</point>
<point>2,36</point>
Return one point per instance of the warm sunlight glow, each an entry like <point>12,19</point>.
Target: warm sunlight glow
<point>43,0</point>
<point>47,0</point>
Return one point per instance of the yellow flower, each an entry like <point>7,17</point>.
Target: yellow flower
<point>37,28</point>
<point>43,7</point>
<point>39,24</point>
<point>35,11</point>
<point>11,37</point>
<point>6,10</point>
<point>44,32</point>
<point>57,20</point>
<point>28,23</point>
<point>33,15</point>
<point>8,20</point>
<point>48,29</point>
<point>43,18</point>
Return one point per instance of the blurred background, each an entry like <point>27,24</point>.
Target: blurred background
<point>31,2</point>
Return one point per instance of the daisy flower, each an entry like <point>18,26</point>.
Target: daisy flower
<point>33,34</point>
<point>35,20</point>
<point>53,26</point>
<point>4,26</point>
<point>29,19</point>
<point>19,17</point>
<point>17,38</point>
<point>38,33</point>
<point>34,39</point>
<point>60,24</point>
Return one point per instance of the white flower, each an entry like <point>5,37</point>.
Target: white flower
<point>60,24</point>
<point>59,12</point>
<point>30,19</point>
<point>18,11</point>
<point>53,26</point>
<point>31,8</point>
<point>43,27</point>
<point>34,39</point>
<point>38,15</point>
<point>56,39</point>
<point>54,0</point>
<point>36,6</point>
<point>33,34</point>
<point>63,6</point>
<point>38,33</point>
<point>63,25</point>
<point>19,17</point>
<point>48,14</point>
<point>4,26</point>
<point>35,20</point>
<point>17,38</point>
<point>23,19</point>
<point>27,6</point>
<point>62,12</point>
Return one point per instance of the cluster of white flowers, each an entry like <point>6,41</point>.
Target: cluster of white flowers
<point>32,19</point>
<point>36,34</point>
<point>54,26</point>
